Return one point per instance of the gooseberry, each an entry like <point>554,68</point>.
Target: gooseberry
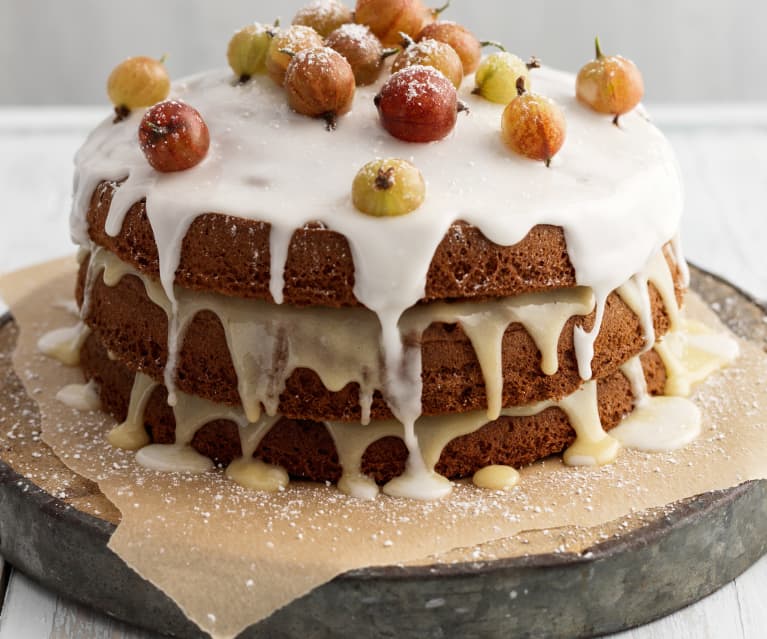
<point>362,49</point>
<point>430,53</point>
<point>324,16</point>
<point>388,188</point>
<point>247,50</point>
<point>320,83</point>
<point>497,75</point>
<point>418,104</point>
<point>463,41</point>
<point>533,125</point>
<point>610,84</point>
<point>137,82</point>
<point>173,136</point>
<point>294,39</point>
<point>388,18</point>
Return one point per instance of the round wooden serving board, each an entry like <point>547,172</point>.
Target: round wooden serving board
<point>677,555</point>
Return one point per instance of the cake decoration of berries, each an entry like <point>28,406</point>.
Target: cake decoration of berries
<point>388,188</point>
<point>135,83</point>
<point>320,83</point>
<point>498,74</point>
<point>430,53</point>
<point>294,39</point>
<point>389,18</point>
<point>418,104</point>
<point>362,50</point>
<point>324,16</point>
<point>247,50</point>
<point>173,136</point>
<point>533,125</point>
<point>609,84</point>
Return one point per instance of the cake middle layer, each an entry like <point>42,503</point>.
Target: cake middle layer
<point>325,363</point>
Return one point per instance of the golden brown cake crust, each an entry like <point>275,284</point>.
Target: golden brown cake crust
<point>135,331</point>
<point>306,450</point>
<point>230,255</point>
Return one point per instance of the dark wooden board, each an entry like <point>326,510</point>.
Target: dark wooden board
<point>688,551</point>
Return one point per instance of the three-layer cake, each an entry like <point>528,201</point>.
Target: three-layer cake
<point>244,313</point>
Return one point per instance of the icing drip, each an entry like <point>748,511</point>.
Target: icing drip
<point>351,441</point>
<point>255,473</point>
<point>168,458</point>
<point>258,475</point>
<point>80,396</point>
<point>496,477</point>
<point>268,342</point>
<point>543,316</point>
<point>190,415</point>
<point>131,434</point>
<point>660,424</point>
<point>64,344</point>
<point>584,340</point>
<point>636,294</point>
<point>692,353</point>
<point>634,373</point>
<point>592,446</point>
<point>656,423</point>
<point>681,263</point>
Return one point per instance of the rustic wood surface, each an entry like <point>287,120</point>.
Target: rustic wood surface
<point>723,156</point>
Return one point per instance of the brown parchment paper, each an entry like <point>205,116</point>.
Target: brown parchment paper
<point>230,557</point>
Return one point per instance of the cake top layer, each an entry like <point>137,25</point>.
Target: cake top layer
<point>614,190</point>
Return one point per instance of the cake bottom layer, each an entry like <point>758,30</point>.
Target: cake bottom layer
<point>306,450</point>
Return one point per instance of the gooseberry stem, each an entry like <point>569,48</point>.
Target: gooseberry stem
<point>533,63</point>
<point>615,120</point>
<point>389,52</point>
<point>272,31</point>
<point>521,90</point>
<point>598,48</point>
<point>331,119</point>
<point>406,40</point>
<point>385,179</point>
<point>121,112</point>
<point>492,43</point>
<point>444,7</point>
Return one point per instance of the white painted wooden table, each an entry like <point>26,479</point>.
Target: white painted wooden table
<point>723,154</point>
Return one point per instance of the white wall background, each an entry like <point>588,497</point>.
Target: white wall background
<point>61,51</point>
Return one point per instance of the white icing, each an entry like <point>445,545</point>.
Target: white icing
<point>681,263</point>
<point>636,294</point>
<point>169,458</point>
<point>692,353</point>
<point>657,423</point>
<point>255,473</point>
<point>496,477</point>
<point>592,446</point>
<point>634,373</point>
<point>131,434</point>
<point>80,396</point>
<point>64,344</point>
<point>543,315</point>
